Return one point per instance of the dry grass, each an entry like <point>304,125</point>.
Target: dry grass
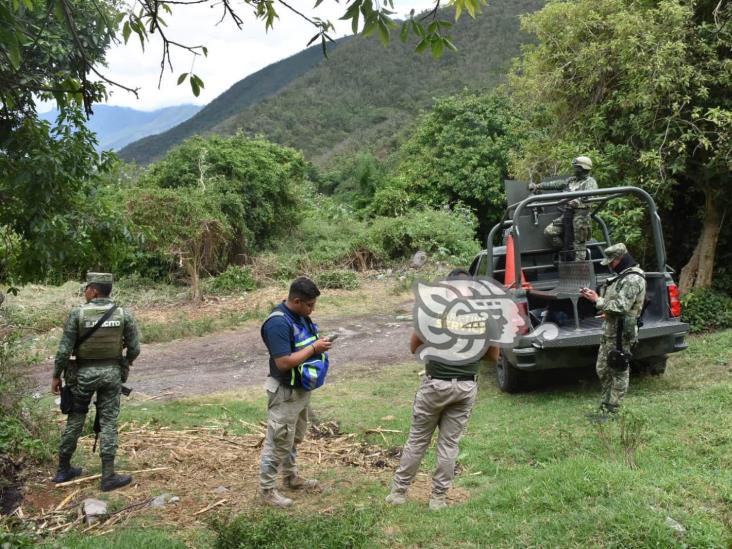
<point>208,468</point>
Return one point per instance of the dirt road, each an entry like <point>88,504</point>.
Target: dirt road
<point>238,358</point>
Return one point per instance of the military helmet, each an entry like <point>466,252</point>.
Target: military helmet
<point>583,162</point>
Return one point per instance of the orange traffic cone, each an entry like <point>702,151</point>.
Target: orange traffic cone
<point>510,278</point>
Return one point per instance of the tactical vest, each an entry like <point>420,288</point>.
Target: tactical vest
<point>610,289</point>
<point>310,374</point>
<point>106,342</point>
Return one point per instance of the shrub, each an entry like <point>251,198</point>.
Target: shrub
<point>447,234</point>
<point>23,430</point>
<point>233,279</point>
<point>337,280</point>
<point>255,182</point>
<point>346,529</point>
<point>707,310</point>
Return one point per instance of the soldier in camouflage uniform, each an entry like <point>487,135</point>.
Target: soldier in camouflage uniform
<point>581,223</point>
<point>621,297</point>
<point>101,368</point>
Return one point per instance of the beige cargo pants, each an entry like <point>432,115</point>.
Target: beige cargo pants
<point>438,404</point>
<point>287,423</point>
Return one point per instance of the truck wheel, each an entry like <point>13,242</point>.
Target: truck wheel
<point>510,379</point>
<point>656,365</point>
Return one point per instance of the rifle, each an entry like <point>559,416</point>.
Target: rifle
<point>568,233</point>
<point>97,426</point>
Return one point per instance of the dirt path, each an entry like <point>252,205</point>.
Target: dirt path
<point>238,358</point>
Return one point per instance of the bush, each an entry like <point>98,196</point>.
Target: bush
<point>707,310</point>
<point>337,280</point>
<point>233,279</point>
<point>23,429</point>
<point>347,529</point>
<point>447,234</point>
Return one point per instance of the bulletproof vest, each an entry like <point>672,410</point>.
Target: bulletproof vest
<point>611,288</point>
<point>106,342</point>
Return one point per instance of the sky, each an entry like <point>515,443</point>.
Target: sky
<point>233,54</point>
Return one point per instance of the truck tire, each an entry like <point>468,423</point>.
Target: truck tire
<point>510,379</point>
<point>656,365</point>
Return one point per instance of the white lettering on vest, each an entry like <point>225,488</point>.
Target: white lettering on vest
<point>106,324</point>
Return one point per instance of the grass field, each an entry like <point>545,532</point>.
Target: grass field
<point>533,471</point>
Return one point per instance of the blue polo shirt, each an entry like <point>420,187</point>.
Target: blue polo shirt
<point>277,336</point>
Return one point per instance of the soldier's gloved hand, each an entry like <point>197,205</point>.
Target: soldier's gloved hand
<point>533,187</point>
<point>574,203</point>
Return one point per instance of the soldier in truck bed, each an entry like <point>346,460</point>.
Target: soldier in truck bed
<point>581,223</point>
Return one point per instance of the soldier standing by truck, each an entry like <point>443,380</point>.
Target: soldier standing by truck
<point>578,209</point>
<point>621,303</point>
<point>96,333</point>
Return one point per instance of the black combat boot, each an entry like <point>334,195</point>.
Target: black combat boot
<point>606,412</point>
<point>110,480</point>
<point>65,471</point>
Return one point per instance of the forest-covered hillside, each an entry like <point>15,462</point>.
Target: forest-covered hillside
<point>241,95</point>
<point>362,97</point>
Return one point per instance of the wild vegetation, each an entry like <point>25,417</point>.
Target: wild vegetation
<point>359,163</point>
<point>532,470</point>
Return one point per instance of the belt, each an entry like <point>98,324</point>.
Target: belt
<point>455,378</point>
<point>83,362</point>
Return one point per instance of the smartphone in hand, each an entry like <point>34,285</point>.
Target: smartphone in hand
<point>332,337</point>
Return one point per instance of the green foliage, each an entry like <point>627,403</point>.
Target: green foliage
<point>353,180</point>
<point>641,87</point>
<point>187,226</point>
<point>348,528</point>
<point>15,534</point>
<point>234,279</point>
<point>48,50</point>
<point>337,280</point>
<point>55,222</point>
<point>707,310</point>
<point>459,153</point>
<point>329,235</point>
<point>255,183</point>
<point>447,234</point>
<point>22,431</point>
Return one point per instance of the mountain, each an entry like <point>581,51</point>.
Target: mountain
<point>249,91</point>
<point>117,126</point>
<point>365,96</point>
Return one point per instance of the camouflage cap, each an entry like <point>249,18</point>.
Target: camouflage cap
<point>99,278</point>
<point>616,251</point>
<point>582,161</point>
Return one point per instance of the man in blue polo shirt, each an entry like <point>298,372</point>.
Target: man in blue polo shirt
<point>292,340</point>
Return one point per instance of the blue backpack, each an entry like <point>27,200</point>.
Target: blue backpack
<point>310,374</point>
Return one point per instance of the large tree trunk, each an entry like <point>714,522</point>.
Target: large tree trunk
<point>697,273</point>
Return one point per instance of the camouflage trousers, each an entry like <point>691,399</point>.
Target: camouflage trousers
<point>582,227</point>
<point>106,382</point>
<point>287,423</point>
<point>614,383</point>
<point>443,404</point>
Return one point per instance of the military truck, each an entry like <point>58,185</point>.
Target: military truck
<point>546,286</point>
